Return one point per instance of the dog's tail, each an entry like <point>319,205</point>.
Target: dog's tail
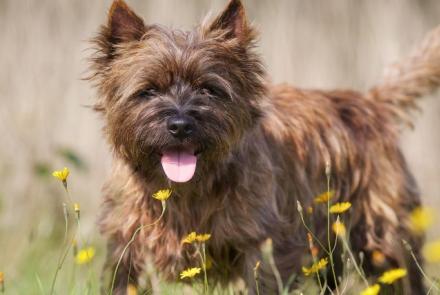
<point>406,81</point>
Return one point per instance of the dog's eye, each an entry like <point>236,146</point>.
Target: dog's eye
<point>215,92</point>
<point>148,93</point>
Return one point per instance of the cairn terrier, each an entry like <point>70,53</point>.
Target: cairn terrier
<point>193,112</point>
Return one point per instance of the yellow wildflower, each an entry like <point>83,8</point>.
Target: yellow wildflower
<point>190,272</point>
<point>324,197</point>
<point>421,218</point>
<point>162,195</point>
<point>131,290</point>
<point>194,237</point>
<point>431,251</point>
<point>189,239</point>
<point>310,209</point>
<point>315,267</point>
<point>85,255</point>
<point>372,290</point>
<point>203,237</point>
<point>61,174</point>
<point>339,228</point>
<point>340,207</point>
<point>377,257</point>
<point>392,275</point>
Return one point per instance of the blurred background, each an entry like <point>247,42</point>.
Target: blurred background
<point>46,122</point>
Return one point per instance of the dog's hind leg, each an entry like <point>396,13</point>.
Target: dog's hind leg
<point>382,224</point>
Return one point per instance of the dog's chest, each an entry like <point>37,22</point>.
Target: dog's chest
<point>232,226</point>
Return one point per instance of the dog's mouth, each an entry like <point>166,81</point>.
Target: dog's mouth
<point>179,164</point>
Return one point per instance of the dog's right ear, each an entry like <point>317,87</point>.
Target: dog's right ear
<point>123,24</point>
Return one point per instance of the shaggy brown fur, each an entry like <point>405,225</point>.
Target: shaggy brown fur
<point>261,148</point>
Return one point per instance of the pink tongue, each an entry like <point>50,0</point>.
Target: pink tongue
<point>179,166</point>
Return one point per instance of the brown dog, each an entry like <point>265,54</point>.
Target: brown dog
<point>192,111</point>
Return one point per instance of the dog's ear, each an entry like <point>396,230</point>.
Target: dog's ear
<point>233,20</point>
<point>123,24</point>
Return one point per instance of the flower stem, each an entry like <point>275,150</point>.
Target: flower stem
<point>202,255</point>
<point>257,283</point>
<point>63,255</point>
<point>416,261</point>
<point>356,266</point>
<point>130,242</point>
<point>61,260</point>
<point>276,273</point>
<point>332,265</point>
<point>312,234</point>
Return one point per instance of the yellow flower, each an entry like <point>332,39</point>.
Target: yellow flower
<point>392,275</point>
<point>315,267</point>
<point>324,197</point>
<point>162,195</point>
<point>372,290</point>
<point>194,237</point>
<point>203,237</point>
<point>431,251</point>
<point>189,239</point>
<point>2,277</point>
<point>340,207</point>
<point>421,218</point>
<point>131,290</point>
<point>377,257</point>
<point>76,207</point>
<point>339,228</point>
<point>190,272</point>
<point>85,255</point>
<point>310,209</point>
<point>61,174</point>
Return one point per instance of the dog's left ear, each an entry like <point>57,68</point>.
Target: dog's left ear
<point>233,20</point>
<point>123,24</point>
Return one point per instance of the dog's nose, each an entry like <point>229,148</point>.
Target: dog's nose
<point>180,126</point>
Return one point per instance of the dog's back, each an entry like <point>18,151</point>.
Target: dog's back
<point>359,135</point>
<point>360,140</point>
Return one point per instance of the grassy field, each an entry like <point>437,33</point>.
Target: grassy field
<point>46,124</point>
<point>59,257</point>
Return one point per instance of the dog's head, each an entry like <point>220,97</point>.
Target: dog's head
<point>175,100</point>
